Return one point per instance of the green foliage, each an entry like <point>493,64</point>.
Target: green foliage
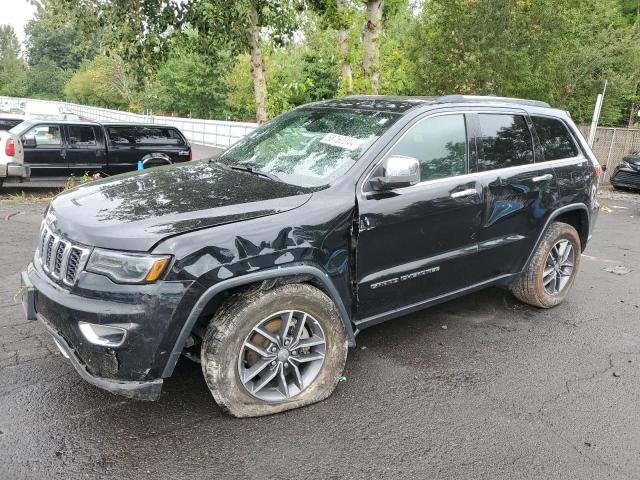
<point>12,68</point>
<point>102,82</point>
<point>192,57</point>
<point>46,81</point>
<point>560,52</point>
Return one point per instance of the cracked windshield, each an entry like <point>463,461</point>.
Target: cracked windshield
<point>309,147</point>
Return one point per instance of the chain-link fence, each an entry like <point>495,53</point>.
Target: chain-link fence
<point>612,144</point>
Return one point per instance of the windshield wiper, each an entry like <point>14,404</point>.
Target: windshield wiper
<point>256,171</point>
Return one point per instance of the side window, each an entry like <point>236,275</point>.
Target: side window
<point>506,141</point>
<point>81,135</point>
<point>556,141</point>
<point>157,136</point>
<point>122,135</point>
<point>45,135</point>
<point>439,144</point>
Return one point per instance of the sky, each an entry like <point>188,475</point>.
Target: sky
<point>16,13</point>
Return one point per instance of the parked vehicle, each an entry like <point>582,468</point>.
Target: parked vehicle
<point>336,216</point>
<point>627,174</point>
<point>57,149</point>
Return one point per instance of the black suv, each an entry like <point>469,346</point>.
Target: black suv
<point>266,262</point>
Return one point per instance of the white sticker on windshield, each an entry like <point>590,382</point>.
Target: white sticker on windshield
<point>342,141</point>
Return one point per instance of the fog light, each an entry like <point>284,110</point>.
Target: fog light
<point>104,335</point>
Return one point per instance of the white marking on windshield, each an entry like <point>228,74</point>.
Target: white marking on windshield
<point>342,141</point>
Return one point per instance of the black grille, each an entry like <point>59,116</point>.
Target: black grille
<point>57,265</point>
<point>72,264</point>
<point>62,260</point>
<point>47,255</point>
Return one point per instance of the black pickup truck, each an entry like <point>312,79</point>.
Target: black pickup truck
<point>58,149</point>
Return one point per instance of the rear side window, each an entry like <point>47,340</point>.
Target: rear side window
<point>506,141</point>
<point>81,135</point>
<point>156,136</point>
<point>439,144</point>
<point>555,139</point>
<point>145,136</point>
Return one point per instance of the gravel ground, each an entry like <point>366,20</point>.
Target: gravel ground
<point>482,387</point>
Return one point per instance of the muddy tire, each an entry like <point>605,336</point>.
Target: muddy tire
<point>267,351</point>
<point>551,273</point>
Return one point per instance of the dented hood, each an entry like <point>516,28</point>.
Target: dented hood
<point>136,210</point>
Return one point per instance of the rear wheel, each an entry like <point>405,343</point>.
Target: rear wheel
<point>269,351</point>
<point>551,273</point>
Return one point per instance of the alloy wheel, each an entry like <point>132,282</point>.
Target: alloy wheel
<point>558,267</point>
<point>282,355</point>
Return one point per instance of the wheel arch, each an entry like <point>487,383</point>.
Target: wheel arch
<point>576,215</point>
<point>294,274</point>
<point>156,156</point>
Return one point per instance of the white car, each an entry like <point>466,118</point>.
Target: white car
<point>12,168</point>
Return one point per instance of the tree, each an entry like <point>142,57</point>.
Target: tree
<point>239,27</point>
<point>560,52</point>
<point>339,15</point>
<point>102,82</point>
<point>55,37</point>
<point>12,71</point>
<point>370,48</point>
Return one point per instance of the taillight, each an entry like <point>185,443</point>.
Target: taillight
<point>190,154</point>
<point>9,148</point>
<point>598,169</point>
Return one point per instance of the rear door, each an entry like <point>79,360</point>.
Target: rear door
<point>86,153</point>
<point>519,194</point>
<point>419,242</point>
<point>44,150</point>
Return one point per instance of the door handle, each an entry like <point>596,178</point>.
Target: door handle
<point>542,178</point>
<point>63,153</point>
<point>464,193</point>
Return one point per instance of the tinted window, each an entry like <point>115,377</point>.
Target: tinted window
<point>81,135</point>
<point>45,135</point>
<point>506,141</point>
<point>439,144</point>
<point>6,124</point>
<point>156,135</point>
<point>145,136</point>
<point>122,135</point>
<point>556,141</point>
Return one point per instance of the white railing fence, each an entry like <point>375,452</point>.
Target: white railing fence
<point>214,133</point>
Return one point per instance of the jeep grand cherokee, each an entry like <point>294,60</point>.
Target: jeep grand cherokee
<point>266,262</point>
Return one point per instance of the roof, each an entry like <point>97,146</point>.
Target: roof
<point>132,124</point>
<point>401,104</point>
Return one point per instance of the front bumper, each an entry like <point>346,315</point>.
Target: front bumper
<point>626,178</point>
<point>151,314</point>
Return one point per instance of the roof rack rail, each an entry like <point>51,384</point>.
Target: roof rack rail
<point>491,98</point>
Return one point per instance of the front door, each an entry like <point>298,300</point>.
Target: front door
<point>86,152</point>
<point>419,242</point>
<point>44,151</point>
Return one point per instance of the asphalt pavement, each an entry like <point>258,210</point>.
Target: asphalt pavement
<point>482,387</point>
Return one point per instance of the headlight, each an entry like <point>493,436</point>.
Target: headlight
<point>127,267</point>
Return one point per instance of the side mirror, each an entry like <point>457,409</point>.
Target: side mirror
<point>400,171</point>
<point>28,142</point>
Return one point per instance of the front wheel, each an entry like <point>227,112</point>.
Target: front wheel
<point>551,273</point>
<point>269,351</point>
